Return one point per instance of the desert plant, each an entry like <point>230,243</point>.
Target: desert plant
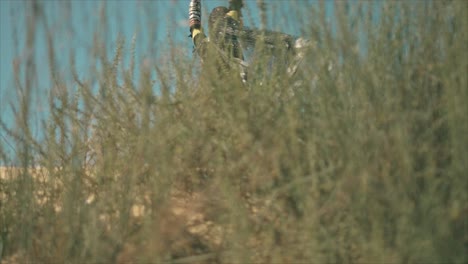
<point>359,157</point>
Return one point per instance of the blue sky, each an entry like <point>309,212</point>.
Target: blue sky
<point>74,24</point>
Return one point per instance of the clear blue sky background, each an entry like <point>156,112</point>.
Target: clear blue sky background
<point>152,22</point>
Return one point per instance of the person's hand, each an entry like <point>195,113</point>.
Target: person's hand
<point>195,14</point>
<point>236,4</point>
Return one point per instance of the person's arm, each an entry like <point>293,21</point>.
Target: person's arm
<point>271,39</point>
<point>196,31</point>
<point>234,26</point>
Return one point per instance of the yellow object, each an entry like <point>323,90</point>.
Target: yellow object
<point>235,14</point>
<point>195,32</point>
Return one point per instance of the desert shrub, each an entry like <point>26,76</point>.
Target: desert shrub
<point>360,157</point>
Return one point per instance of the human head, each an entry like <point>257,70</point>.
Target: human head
<point>224,31</point>
<point>217,21</point>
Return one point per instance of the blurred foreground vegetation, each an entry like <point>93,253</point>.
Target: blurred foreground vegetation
<point>361,157</point>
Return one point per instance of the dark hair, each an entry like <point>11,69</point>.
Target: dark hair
<point>224,31</point>
<point>217,19</point>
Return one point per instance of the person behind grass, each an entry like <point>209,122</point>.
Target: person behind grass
<point>222,47</point>
<point>228,37</point>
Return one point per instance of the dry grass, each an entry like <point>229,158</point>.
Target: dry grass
<point>359,158</point>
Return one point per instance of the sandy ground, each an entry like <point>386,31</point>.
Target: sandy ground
<point>6,172</point>
<point>11,172</point>
<point>187,210</point>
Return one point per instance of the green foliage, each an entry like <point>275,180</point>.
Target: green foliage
<point>357,158</point>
